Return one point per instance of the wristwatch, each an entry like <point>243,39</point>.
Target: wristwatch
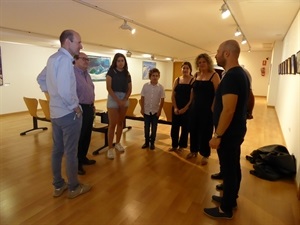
<point>215,135</point>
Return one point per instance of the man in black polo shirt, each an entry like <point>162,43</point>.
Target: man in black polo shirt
<point>229,116</point>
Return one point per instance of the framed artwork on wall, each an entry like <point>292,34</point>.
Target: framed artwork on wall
<point>289,65</point>
<point>98,67</point>
<point>146,67</point>
<point>293,64</point>
<point>298,62</point>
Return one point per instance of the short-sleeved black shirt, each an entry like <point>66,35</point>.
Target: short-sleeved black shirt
<point>119,80</point>
<point>235,82</point>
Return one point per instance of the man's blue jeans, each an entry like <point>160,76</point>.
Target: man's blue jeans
<point>65,134</point>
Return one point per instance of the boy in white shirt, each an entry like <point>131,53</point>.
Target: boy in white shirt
<point>152,100</point>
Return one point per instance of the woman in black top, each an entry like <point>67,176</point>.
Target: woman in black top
<point>181,100</point>
<point>201,122</point>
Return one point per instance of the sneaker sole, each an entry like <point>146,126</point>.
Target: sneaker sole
<point>226,218</point>
<point>80,193</point>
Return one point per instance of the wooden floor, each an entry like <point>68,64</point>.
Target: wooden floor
<point>139,187</point>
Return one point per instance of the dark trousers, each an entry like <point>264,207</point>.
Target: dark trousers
<point>200,135</point>
<point>86,131</point>
<point>229,156</point>
<point>150,121</point>
<point>180,121</point>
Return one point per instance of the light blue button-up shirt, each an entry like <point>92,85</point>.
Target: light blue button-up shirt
<point>58,79</point>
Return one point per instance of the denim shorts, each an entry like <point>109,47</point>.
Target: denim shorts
<point>111,103</point>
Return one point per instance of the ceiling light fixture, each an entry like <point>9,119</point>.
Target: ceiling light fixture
<point>128,53</point>
<point>244,41</point>
<point>225,11</point>
<point>237,32</point>
<point>125,26</point>
<point>98,8</point>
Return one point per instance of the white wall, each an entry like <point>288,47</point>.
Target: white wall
<point>22,63</point>
<point>288,95</point>
<point>252,61</point>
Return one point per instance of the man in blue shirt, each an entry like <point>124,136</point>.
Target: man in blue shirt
<point>58,79</point>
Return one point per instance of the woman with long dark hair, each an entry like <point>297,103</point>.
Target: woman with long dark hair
<point>118,85</point>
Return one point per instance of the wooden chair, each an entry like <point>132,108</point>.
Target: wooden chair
<point>167,107</point>
<point>32,104</point>
<point>47,96</point>
<point>130,111</point>
<point>132,104</point>
<point>46,109</point>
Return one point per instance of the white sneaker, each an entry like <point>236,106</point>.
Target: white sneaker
<point>110,153</point>
<point>119,147</point>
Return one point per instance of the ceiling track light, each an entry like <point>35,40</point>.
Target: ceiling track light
<point>237,32</point>
<point>125,26</point>
<point>225,11</point>
<point>128,53</point>
<point>244,41</point>
<point>225,7</point>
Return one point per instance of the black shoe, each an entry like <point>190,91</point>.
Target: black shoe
<point>217,176</point>
<point>88,162</point>
<point>81,171</point>
<point>219,187</point>
<point>215,213</point>
<point>218,199</point>
<point>146,145</point>
<point>152,146</point>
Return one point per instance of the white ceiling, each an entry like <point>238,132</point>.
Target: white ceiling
<point>180,29</point>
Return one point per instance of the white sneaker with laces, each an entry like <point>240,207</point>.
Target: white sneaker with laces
<point>110,153</point>
<point>119,147</point>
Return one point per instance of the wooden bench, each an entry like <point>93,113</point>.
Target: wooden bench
<point>167,108</point>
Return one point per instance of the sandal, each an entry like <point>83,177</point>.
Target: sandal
<point>191,155</point>
<point>172,149</point>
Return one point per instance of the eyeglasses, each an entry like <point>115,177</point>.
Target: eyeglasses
<point>85,59</point>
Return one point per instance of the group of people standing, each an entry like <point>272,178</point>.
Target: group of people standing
<point>213,111</point>
<point>192,99</point>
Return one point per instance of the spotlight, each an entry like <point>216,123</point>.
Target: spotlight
<point>244,41</point>
<point>225,11</point>
<point>128,53</point>
<point>238,32</point>
<point>125,26</point>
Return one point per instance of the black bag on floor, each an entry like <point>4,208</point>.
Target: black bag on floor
<point>272,162</point>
